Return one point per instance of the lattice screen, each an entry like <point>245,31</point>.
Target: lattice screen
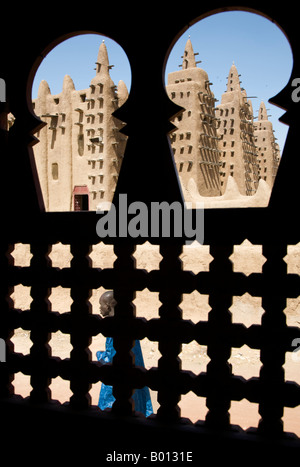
<point>272,337</point>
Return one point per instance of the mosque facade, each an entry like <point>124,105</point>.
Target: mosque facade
<point>81,147</point>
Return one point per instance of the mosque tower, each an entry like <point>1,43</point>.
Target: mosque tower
<point>195,140</point>
<point>267,148</point>
<point>102,140</point>
<point>237,140</point>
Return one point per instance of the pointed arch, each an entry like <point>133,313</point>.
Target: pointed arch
<point>235,107</point>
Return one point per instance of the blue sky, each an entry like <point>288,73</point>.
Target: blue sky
<point>258,48</point>
<point>76,57</point>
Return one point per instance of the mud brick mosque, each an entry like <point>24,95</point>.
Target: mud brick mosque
<point>216,147</point>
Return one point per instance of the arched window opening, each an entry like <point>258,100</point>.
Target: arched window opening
<point>76,90</point>
<point>235,47</point>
